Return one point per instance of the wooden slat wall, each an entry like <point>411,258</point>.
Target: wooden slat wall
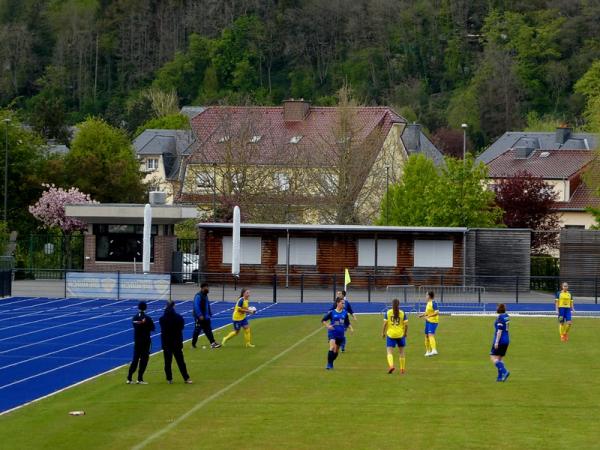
<point>335,251</point>
<point>580,261</point>
<point>495,253</point>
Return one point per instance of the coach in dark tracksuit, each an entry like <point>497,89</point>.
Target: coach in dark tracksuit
<point>143,326</point>
<point>171,336</point>
<point>202,316</point>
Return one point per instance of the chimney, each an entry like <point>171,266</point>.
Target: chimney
<point>523,152</point>
<point>563,133</point>
<point>412,137</point>
<point>295,110</point>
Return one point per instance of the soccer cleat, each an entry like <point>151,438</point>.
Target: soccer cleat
<point>188,381</point>
<point>391,369</point>
<point>563,338</point>
<point>170,381</point>
<point>505,375</point>
<point>428,354</point>
<point>141,382</point>
<point>343,348</point>
<point>128,382</point>
<point>433,353</point>
<point>215,345</point>
<point>250,345</point>
<point>498,379</point>
<point>329,366</point>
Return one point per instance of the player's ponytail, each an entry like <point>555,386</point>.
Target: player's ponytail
<point>396,309</point>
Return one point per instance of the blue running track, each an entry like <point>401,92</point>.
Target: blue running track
<point>49,344</point>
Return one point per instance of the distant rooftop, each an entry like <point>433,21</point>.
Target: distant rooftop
<point>547,164</point>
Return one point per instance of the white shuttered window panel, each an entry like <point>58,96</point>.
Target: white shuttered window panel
<point>303,251</point>
<point>250,250</point>
<point>432,253</point>
<point>387,252</point>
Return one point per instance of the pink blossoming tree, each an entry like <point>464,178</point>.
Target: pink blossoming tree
<point>50,208</point>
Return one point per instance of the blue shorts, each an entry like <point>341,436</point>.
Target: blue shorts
<point>339,338</point>
<point>430,327</point>
<point>239,324</point>
<point>392,342</point>
<point>564,315</point>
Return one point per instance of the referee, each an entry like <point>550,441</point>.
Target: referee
<point>142,327</point>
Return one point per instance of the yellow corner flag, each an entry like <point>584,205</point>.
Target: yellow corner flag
<point>346,277</point>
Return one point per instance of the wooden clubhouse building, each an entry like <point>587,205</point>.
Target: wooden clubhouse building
<point>394,255</point>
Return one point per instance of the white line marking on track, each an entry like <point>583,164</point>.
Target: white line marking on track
<point>220,392</point>
<point>68,305</point>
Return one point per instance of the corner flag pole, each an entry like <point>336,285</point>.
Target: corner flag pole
<point>347,279</point>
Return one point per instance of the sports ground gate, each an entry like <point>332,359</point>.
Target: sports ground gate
<point>394,255</point>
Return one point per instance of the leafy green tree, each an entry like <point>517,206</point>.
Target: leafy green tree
<point>102,162</point>
<point>453,196</point>
<point>589,87</point>
<point>170,122</point>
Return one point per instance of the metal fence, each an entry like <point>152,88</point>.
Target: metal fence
<point>313,287</point>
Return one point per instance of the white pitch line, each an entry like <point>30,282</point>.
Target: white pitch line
<point>220,392</point>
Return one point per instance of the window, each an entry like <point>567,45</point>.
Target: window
<point>151,164</point>
<point>282,181</point>
<point>303,251</point>
<point>431,253</point>
<point>255,139</point>
<point>250,250</point>
<point>387,252</point>
<point>295,139</point>
<point>204,181</point>
<point>122,243</point>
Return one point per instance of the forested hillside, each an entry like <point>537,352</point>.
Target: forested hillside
<point>495,64</point>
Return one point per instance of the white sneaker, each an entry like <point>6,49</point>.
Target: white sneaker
<point>433,353</point>
<point>428,354</point>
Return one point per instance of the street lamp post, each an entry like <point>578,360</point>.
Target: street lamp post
<point>387,195</point>
<point>464,126</point>
<point>214,192</point>
<point>6,122</point>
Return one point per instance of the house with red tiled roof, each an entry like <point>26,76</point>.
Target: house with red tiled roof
<point>294,163</point>
<point>562,169</point>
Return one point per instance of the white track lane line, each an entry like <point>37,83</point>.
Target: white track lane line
<point>23,299</point>
<point>220,392</point>
<point>34,358</point>
<point>67,315</point>
<point>86,329</point>
<point>76,362</point>
<point>68,305</point>
<point>41,301</point>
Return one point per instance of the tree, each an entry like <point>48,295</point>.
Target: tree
<point>453,196</point>
<point>168,122</point>
<point>102,162</point>
<point>50,208</point>
<point>528,202</point>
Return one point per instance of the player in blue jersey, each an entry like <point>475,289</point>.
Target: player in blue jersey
<point>348,308</point>
<point>500,342</point>
<point>335,321</point>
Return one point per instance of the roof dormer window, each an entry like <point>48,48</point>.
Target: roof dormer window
<point>151,164</point>
<point>295,139</point>
<point>223,139</point>
<point>254,139</point>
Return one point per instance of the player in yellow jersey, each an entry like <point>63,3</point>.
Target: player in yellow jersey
<point>395,331</point>
<point>432,319</point>
<point>241,309</point>
<point>564,308</point>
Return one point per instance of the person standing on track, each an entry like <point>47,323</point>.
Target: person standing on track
<point>432,319</point>
<point>395,331</point>
<point>202,317</point>
<point>143,326</point>
<point>171,336</point>
<point>564,309</point>
<point>500,342</point>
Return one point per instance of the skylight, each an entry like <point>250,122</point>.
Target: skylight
<point>295,139</point>
<point>544,154</point>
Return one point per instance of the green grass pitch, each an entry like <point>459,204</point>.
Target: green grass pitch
<point>279,395</point>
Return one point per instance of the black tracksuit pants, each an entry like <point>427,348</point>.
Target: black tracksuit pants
<point>141,355</point>
<point>168,354</point>
<point>205,326</point>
